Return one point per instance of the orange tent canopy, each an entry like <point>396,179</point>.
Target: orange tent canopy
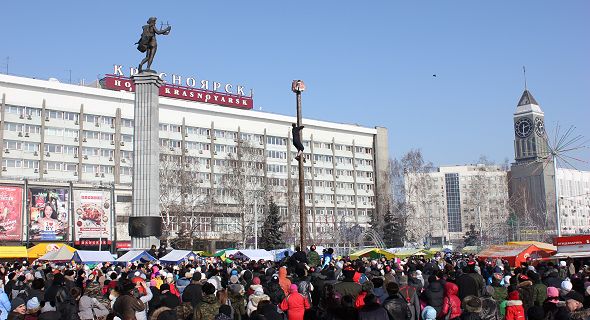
<point>515,254</point>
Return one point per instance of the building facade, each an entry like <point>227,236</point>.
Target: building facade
<point>448,202</point>
<point>532,179</point>
<point>77,137</point>
<point>574,200</point>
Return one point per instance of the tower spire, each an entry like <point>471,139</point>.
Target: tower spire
<point>524,74</point>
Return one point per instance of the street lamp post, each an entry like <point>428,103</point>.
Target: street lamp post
<point>297,87</point>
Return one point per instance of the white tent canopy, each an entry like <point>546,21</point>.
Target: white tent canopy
<point>251,254</point>
<point>176,256</point>
<point>83,256</point>
<point>60,255</point>
<point>135,255</point>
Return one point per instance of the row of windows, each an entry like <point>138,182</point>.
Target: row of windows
<point>106,120</point>
<point>64,115</point>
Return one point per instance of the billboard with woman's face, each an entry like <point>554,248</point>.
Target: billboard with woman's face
<point>48,214</point>
<point>11,213</point>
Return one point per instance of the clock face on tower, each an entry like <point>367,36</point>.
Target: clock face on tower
<point>539,127</point>
<point>523,127</point>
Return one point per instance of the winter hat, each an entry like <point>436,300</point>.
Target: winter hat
<point>208,288</point>
<point>566,285</point>
<point>256,281</point>
<point>197,276</point>
<point>16,302</point>
<point>472,304</point>
<point>536,313</point>
<point>552,292</point>
<point>429,313</point>
<point>293,288</point>
<point>514,295</point>
<point>574,295</point>
<point>33,304</point>
<point>233,279</point>
<point>234,272</point>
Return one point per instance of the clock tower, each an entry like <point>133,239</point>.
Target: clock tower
<point>530,143</point>
<point>531,179</point>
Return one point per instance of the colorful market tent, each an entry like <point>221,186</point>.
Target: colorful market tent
<point>203,253</point>
<point>221,252</point>
<point>279,254</point>
<point>373,253</point>
<point>135,255</point>
<point>471,249</point>
<point>11,252</point>
<point>42,249</point>
<point>514,254</point>
<point>90,257</point>
<point>250,254</point>
<point>176,256</point>
<point>62,254</point>
<point>406,252</point>
<point>541,245</point>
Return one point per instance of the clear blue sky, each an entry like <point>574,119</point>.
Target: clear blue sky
<point>365,62</point>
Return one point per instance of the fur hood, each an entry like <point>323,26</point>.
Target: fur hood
<point>254,299</point>
<point>511,303</point>
<point>157,313</point>
<point>580,315</point>
<point>525,284</point>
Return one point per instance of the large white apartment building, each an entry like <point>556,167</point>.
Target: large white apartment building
<point>574,200</point>
<point>70,136</point>
<point>447,202</point>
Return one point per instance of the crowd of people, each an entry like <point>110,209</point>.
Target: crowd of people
<point>305,285</point>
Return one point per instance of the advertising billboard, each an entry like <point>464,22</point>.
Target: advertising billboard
<point>11,211</point>
<point>92,215</point>
<point>48,214</point>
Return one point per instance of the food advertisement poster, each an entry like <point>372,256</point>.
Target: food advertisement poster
<point>92,214</point>
<point>11,212</point>
<point>48,214</point>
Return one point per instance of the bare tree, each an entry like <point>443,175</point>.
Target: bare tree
<point>528,221</point>
<point>410,201</point>
<point>242,183</point>
<point>487,201</point>
<point>181,198</point>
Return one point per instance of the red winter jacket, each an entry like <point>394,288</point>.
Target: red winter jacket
<point>360,300</point>
<point>514,310</point>
<point>295,305</point>
<point>451,301</point>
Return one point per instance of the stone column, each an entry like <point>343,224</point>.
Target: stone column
<point>145,222</point>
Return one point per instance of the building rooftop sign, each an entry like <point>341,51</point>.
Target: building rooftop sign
<point>186,88</point>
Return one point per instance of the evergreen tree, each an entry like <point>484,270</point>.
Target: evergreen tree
<point>393,230</point>
<point>271,229</point>
<point>471,237</point>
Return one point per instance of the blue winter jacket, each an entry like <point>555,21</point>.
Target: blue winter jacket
<point>4,305</point>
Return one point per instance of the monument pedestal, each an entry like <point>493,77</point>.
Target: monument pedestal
<point>145,222</point>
